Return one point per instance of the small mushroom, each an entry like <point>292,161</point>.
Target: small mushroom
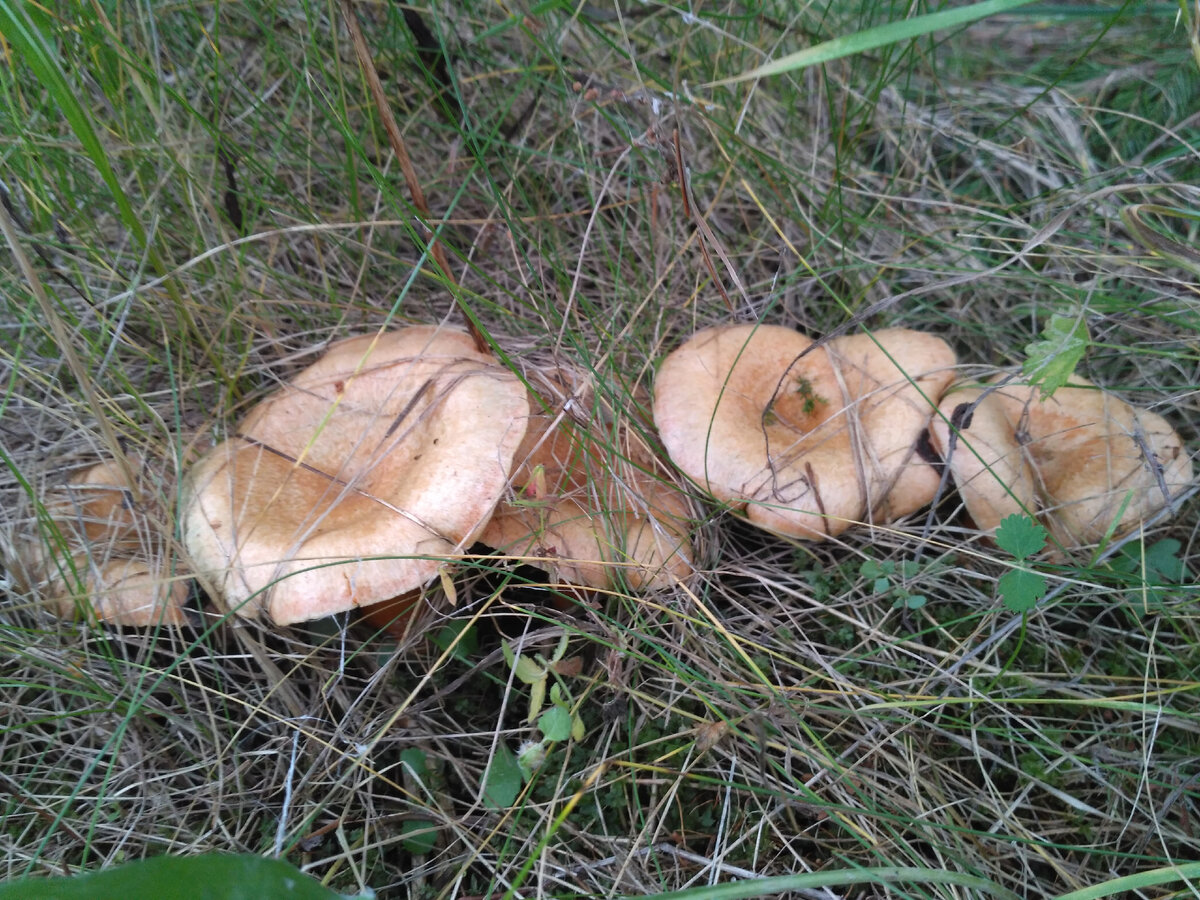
<point>130,592</point>
<point>1094,462</point>
<point>588,500</point>
<point>808,442</point>
<point>101,504</point>
<point>355,481</point>
<point>108,557</point>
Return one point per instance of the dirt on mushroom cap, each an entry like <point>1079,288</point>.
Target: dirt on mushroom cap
<point>809,443</point>
<point>354,482</point>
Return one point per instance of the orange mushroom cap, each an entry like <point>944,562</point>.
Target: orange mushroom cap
<point>133,592</point>
<point>1097,460</point>
<point>808,443</point>
<point>987,462</point>
<point>589,499</point>
<point>113,561</point>
<point>353,483</point>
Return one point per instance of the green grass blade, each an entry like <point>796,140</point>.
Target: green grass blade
<point>765,887</point>
<point>30,44</point>
<point>879,36</point>
<point>1140,881</point>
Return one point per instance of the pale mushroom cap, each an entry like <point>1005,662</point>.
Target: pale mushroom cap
<point>985,459</point>
<point>1092,453</point>
<point>808,445</point>
<point>353,483</point>
<point>585,509</point>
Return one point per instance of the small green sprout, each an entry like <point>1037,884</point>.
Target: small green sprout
<point>882,573</point>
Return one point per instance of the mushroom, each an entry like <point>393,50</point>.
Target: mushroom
<point>808,440</point>
<point>588,500</point>
<point>100,504</point>
<point>354,482</point>
<point>585,511</point>
<point>108,557</point>
<point>1094,462</point>
<point>132,592</point>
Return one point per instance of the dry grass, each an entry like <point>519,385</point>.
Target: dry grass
<point>775,714</point>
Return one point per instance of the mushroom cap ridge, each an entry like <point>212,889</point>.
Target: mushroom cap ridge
<point>350,484</point>
<point>809,444</point>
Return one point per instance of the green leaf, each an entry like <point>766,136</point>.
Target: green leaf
<point>502,780</point>
<point>537,697</point>
<point>419,836</point>
<point>561,649</point>
<point>871,568</point>
<point>529,671</point>
<point>1021,589</point>
<point>414,758</point>
<point>1052,361</point>
<point>1021,536</point>
<point>1152,571</point>
<point>209,877</point>
<point>467,644</point>
<point>578,730</point>
<point>909,601</point>
<point>555,724</point>
<point>879,36</point>
<point>1159,565</point>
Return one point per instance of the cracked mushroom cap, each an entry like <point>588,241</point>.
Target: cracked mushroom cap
<point>979,444</point>
<point>586,509</point>
<point>808,443</point>
<point>353,483</point>
<point>1093,458</point>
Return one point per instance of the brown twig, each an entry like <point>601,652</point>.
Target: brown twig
<point>706,236</point>
<point>367,64</point>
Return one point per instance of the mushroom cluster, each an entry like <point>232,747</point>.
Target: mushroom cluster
<point>810,438</point>
<point>355,483</point>
<point>395,452</point>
